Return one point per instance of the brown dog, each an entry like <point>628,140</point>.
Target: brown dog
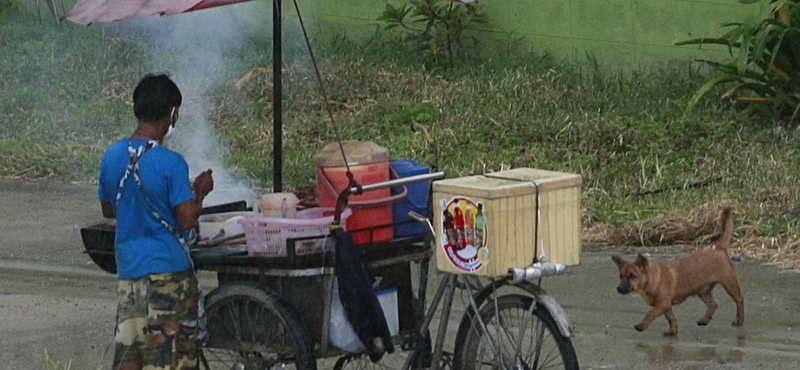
<point>665,284</point>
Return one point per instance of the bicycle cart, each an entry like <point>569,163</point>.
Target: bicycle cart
<point>276,313</point>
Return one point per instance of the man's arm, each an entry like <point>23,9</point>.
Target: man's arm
<point>188,212</point>
<point>108,211</point>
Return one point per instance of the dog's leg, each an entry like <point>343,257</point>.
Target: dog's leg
<point>673,323</point>
<point>735,291</point>
<point>711,304</point>
<point>658,309</point>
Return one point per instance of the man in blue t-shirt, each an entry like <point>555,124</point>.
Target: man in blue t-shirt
<point>146,187</point>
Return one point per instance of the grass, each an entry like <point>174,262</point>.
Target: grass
<point>65,96</point>
<point>52,364</point>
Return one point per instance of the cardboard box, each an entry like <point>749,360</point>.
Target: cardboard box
<point>507,219</point>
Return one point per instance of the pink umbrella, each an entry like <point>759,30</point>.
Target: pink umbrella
<point>104,11</point>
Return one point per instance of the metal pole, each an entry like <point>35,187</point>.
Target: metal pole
<point>444,285</point>
<point>277,98</point>
<point>444,319</point>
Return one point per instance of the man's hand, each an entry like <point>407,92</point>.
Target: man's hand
<point>202,185</point>
<point>188,212</point>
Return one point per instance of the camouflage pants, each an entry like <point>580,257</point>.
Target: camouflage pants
<point>157,323</point>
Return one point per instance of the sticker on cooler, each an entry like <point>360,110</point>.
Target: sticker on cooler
<point>464,236</point>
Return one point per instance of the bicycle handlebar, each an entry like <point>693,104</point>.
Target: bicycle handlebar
<point>397,182</point>
<point>341,202</point>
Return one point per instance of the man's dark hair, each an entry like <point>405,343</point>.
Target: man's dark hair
<point>154,96</point>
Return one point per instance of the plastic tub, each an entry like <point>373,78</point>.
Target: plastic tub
<point>388,300</point>
<point>279,205</point>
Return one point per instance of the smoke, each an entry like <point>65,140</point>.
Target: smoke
<point>193,48</point>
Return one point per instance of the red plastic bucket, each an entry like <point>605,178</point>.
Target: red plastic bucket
<point>371,221</point>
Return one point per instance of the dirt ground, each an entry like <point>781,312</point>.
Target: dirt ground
<point>52,297</point>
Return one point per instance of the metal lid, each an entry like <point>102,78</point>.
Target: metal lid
<point>357,152</point>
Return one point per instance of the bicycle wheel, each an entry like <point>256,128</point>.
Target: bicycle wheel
<point>252,328</point>
<point>514,339</point>
<point>392,361</point>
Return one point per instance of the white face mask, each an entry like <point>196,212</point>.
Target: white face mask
<point>170,131</point>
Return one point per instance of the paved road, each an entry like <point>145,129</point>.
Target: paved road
<point>52,297</point>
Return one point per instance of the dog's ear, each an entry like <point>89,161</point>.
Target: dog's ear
<point>619,261</point>
<point>641,261</point>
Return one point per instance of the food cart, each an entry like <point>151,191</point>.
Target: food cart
<point>278,312</point>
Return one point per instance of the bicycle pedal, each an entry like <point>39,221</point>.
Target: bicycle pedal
<point>409,340</point>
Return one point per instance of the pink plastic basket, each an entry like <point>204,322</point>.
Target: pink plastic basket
<point>267,237</point>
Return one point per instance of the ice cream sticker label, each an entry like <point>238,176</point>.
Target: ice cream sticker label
<point>464,233</point>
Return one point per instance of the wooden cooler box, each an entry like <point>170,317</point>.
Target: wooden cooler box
<point>489,223</point>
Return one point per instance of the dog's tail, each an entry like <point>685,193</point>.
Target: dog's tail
<point>727,229</point>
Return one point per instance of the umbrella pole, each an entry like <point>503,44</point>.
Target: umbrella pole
<point>277,98</point>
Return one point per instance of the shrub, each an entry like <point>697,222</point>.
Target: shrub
<point>434,28</point>
<point>765,60</point>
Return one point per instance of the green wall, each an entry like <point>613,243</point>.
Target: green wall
<point>610,30</point>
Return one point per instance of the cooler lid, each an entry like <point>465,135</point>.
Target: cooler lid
<point>357,152</point>
<point>547,180</point>
<point>503,184</point>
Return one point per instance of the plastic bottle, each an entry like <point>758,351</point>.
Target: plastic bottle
<point>469,219</point>
<point>459,219</point>
<point>449,225</point>
<point>480,225</point>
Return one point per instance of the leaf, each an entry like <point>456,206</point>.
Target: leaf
<point>713,41</point>
<point>707,87</point>
<point>743,55</point>
<point>761,41</point>
<point>777,72</point>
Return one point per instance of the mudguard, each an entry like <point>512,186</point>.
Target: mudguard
<point>558,313</point>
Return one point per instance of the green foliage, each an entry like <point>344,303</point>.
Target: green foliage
<point>6,6</point>
<point>764,70</point>
<point>66,96</point>
<point>435,29</point>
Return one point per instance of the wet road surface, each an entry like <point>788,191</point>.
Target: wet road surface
<point>53,297</point>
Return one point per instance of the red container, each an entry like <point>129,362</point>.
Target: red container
<point>372,210</point>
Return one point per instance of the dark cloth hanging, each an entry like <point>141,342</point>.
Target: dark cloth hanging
<point>358,297</point>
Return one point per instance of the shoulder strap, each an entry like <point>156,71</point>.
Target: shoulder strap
<point>133,169</point>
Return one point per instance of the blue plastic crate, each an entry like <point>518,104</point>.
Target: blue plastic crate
<point>416,200</point>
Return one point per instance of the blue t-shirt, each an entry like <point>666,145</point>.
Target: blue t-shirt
<point>143,244</point>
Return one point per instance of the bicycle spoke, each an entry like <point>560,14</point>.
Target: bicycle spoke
<point>522,339</point>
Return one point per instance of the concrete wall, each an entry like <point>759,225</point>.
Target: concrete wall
<point>610,30</point>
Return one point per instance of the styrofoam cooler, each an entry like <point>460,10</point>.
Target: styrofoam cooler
<point>416,200</point>
<point>388,300</point>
